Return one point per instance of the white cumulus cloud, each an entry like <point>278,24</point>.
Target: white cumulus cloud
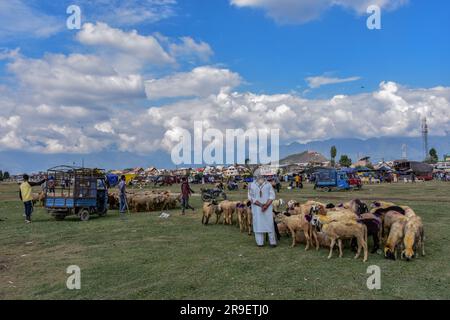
<point>201,81</point>
<point>302,11</point>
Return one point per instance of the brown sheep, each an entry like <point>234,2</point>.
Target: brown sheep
<point>208,210</point>
<point>39,198</point>
<point>245,218</point>
<point>347,229</point>
<point>394,240</point>
<point>139,204</point>
<point>113,201</point>
<point>228,208</point>
<point>414,238</point>
<point>298,223</point>
<point>388,220</point>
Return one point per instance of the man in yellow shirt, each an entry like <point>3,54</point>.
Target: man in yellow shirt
<point>26,188</point>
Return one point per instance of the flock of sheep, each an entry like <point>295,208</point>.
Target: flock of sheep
<point>145,201</point>
<point>397,228</point>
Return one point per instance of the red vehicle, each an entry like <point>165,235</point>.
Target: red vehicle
<point>354,180</point>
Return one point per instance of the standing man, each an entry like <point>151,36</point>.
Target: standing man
<point>261,195</point>
<point>297,181</point>
<point>26,195</point>
<point>186,192</point>
<point>122,196</point>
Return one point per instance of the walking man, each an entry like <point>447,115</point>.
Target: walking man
<point>123,205</point>
<point>26,195</point>
<point>186,192</point>
<point>261,195</point>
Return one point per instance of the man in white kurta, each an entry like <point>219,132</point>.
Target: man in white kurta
<point>261,194</point>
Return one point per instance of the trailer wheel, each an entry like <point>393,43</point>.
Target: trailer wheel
<point>84,215</point>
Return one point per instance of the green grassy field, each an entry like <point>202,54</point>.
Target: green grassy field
<point>150,258</point>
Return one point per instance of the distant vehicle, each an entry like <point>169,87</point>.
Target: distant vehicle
<point>162,181</point>
<point>213,194</point>
<point>76,191</point>
<point>354,180</point>
<point>328,179</point>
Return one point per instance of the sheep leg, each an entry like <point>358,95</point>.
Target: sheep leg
<point>340,248</point>
<point>376,242</point>
<point>308,239</point>
<point>333,242</point>
<point>293,237</point>
<point>359,241</point>
<point>314,234</point>
<point>364,244</point>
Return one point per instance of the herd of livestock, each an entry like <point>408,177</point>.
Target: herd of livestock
<point>397,228</point>
<point>145,201</point>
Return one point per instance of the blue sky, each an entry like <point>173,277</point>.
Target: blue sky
<point>309,68</point>
<point>411,48</point>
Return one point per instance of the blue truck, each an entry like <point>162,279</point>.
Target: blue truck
<point>328,179</point>
<point>76,191</point>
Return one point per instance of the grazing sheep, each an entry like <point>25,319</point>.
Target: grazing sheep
<point>414,238</point>
<point>388,219</point>
<point>409,213</point>
<point>356,205</point>
<point>336,214</point>
<point>374,229</point>
<point>340,230</point>
<point>208,210</point>
<point>382,204</point>
<point>372,222</point>
<point>394,239</point>
<point>139,204</point>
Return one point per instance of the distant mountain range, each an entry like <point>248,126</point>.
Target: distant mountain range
<point>387,148</point>
<point>304,157</point>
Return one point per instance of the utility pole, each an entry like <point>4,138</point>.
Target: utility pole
<point>425,138</point>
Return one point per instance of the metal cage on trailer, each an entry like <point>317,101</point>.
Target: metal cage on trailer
<point>76,191</point>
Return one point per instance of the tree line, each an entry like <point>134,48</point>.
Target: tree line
<point>4,175</point>
<point>345,160</point>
